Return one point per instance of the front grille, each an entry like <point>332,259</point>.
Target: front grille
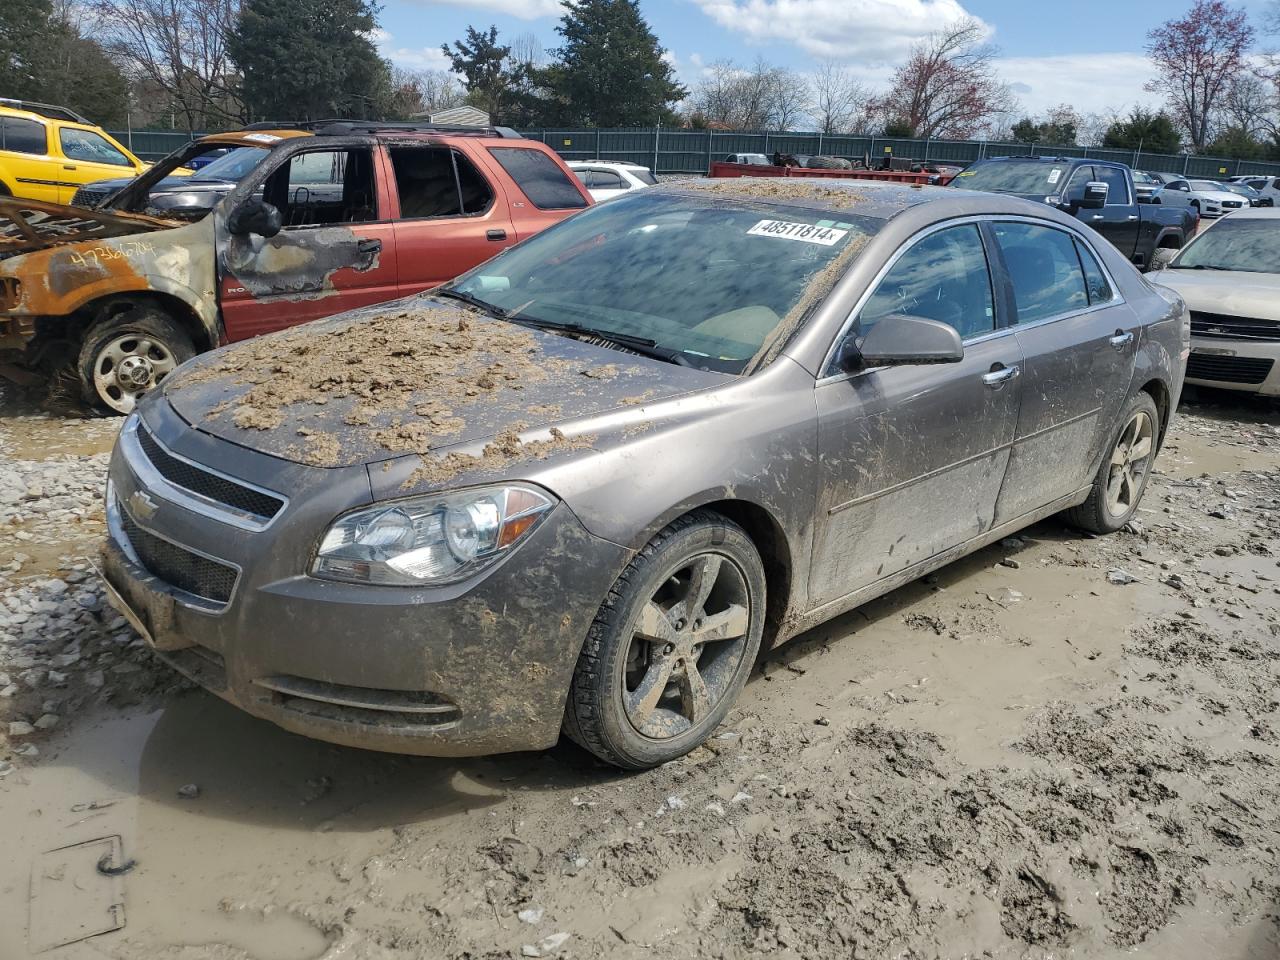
<point>1232,204</point>
<point>177,566</point>
<point>1208,366</point>
<point>206,484</point>
<point>84,197</point>
<point>1224,326</point>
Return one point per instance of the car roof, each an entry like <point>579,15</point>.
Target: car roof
<point>29,109</point>
<point>622,164</point>
<point>877,199</point>
<point>269,133</point>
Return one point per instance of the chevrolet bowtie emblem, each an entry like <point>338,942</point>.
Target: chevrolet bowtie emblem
<point>142,506</point>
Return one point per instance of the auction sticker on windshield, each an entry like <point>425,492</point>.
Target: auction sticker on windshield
<point>808,232</point>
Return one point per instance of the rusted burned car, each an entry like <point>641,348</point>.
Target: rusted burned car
<point>305,223</point>
<point>560,492</point>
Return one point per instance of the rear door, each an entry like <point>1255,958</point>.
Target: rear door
<point>88,156</point>
<point>1078,339</point>
<point>28,162</point>
<point>336,251</point>
<point>542,191</point>
<point>912,457</point>
<point>448,216</point>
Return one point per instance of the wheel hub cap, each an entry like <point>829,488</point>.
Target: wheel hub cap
<point>1130,460</point>
<point>134,372</point>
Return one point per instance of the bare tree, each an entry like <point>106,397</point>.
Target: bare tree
<point>424,92</point>
<point>527,51</point>
<point>761,97</point>
<point>179,48</point>
<point>948,86</point>
<point>1197,58</point>
<point>840,100</point>
<point>1248,106</point>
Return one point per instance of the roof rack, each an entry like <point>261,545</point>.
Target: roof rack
<point>341,127</point>
<point>44,110</point>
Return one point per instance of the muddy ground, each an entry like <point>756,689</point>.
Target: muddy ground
<point>1061,746</point>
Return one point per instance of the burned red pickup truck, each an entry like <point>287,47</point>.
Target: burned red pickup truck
<point>326,217</point>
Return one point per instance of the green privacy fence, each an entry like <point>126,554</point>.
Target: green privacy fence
<point>691,151</point>
<point>670,150</point>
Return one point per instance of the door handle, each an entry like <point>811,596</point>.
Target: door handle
<point>68,166</point>
<point>1121,339</point>
<point>369,246</point>
<point>1096,216</point>
<point>495,235</point>
<point>1133,217</point>
<point>999,376</point>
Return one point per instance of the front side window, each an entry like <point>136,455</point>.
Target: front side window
<point>714,282</point>
<point>1044,269</point>
<point>1117,185</point>
<point>1095,281</point>
<point>438,182</point>
<point>323,187</point>
<point>90,147</point>
<point>23,136</point>
<point>942,277</point>
<point>1179,185</point>
<point>540,178</point>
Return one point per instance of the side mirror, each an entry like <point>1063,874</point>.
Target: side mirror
<point>1095,196</point>
<point>899,340</point>
<point>254,216</point>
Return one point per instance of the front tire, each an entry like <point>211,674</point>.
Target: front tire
<point>1122,479</point>
<point>128,354</point>
<point>672,645</point>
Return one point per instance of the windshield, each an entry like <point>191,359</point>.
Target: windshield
<point>1242,189</point>
<point>711,281</point>
<point>231,166</point>
<point>1032,178</point>
<point>1208,186</point>
<point>1248,244</point>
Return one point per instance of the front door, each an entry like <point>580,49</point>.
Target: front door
<point>449,217</point>
<point>88,156</point>
<point>336,251</point>
<point>911,458</point>
<point>1118,218</point>
<point>1079,340</point>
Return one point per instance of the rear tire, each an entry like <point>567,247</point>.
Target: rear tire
<point>672,645</point>
<point>128,354</point>
<point>1122,479</point>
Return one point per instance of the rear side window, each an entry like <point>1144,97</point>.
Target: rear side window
<point>23,136</point>
<point>90,147</point>
<point>438,182</point>
<point>643,175</point>
<point>943,277</point>
<point>1044,269</point>
<point>540,178</point>
<point>605,180</point>
<point>1095,281</point>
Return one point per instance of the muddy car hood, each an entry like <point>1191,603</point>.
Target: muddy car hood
<point>415,376</point>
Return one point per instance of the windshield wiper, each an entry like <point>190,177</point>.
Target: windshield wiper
<point>641,345</point>
<point>1204,266</point>
<point>473,301</point>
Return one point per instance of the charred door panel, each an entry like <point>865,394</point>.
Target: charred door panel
<point>911,462</point>
<point>337,250</point>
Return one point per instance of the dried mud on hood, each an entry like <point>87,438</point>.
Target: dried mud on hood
<point>413,377</point>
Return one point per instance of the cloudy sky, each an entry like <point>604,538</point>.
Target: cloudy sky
<point>1087,53</point>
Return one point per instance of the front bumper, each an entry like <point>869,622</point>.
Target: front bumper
<point>473,668</point>
<point>1245,365</point>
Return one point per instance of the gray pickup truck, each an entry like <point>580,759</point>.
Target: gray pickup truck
<point>1097,192</point>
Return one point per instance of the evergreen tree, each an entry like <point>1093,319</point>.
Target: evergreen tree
<point>25,37</point>
<point>485,67</point>
<point>610,71</point>
<point>1153,132</point>
<point>1237,144</point>
<point>310,59</point>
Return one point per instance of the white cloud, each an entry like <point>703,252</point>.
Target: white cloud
<point>870,31</point>
<point>417,58</point>
<point>524,9</point>
<point>1089,82</point>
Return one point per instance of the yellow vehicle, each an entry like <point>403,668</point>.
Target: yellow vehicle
<point>48,152</point>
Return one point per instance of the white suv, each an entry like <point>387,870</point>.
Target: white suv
<point>605,179</point>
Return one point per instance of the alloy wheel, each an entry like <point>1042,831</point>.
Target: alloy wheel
<point>1130,461</point>
<point>687,644</point>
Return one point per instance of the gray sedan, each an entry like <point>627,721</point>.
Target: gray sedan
<point>579,487</point>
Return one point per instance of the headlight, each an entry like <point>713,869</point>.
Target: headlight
<point>441,538</point>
